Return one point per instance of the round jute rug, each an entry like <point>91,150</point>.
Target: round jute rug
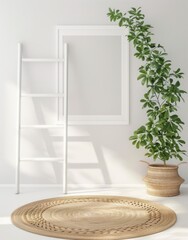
<point>93,217</point>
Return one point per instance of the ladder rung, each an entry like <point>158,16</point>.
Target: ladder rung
<point>48,60</point>
<point>45,95</point>
<point>42,126</point>
<point>36,159</point>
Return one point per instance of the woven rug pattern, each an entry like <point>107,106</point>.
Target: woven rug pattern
<point>93,217</point>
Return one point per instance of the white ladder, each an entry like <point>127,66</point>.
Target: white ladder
<point>59,96</point>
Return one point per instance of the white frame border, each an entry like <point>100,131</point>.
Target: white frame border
<point>123,118</point>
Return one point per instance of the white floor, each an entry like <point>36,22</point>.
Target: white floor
<point>10,201</point>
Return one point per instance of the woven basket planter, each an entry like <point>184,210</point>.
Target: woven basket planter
<point>163,181</point>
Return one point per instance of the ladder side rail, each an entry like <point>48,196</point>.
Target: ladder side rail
<point>19,82</point>
<point>65,110</point>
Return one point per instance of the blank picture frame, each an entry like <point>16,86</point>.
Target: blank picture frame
<point>98,74</point>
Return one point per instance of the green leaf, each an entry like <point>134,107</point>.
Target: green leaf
<point>181,141</point>
<point>142,129</point>
<point>137,145</point>
<point>150,137</point>
<point>143,143</point>
<point>141,76</point>
<point>133,137</point>
<point>134,142</point>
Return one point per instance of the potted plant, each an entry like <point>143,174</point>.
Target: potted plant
<point>160,135</point>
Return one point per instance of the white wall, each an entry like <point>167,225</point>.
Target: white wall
<point>33,23</point>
